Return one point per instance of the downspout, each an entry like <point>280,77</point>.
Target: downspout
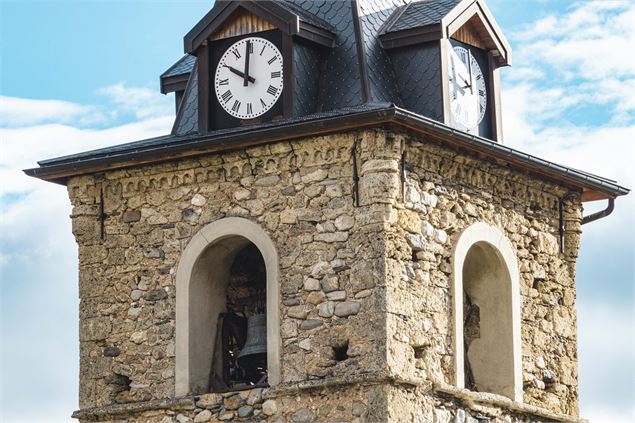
<point>602,213</point>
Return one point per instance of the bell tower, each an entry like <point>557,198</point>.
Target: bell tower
<point>332,231</point>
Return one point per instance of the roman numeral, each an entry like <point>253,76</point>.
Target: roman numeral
<point>236,106</point>
<point>275,74</point>
<point>249,109</point>
<point>272,90</point>
<point>236,53</point>
<point>263,50</point>
<point>223,82</point>
<point>263,103</point>
<point>227,95</point>
<point>273,59</point>
<point>481,92</point>
<point>479,77</point>
<point>251,48</point>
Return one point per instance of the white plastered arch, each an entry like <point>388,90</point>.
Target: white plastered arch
<point>492,237</point>
<point>223,235</point>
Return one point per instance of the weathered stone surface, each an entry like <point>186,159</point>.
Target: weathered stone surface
<point>305,344</point>
<point>347,308</point>
<point>344,223</point>
<point>209,401</point>
<point>326,309</point>
<point>288,216</point>
<point>298,312</point>
<point>203,416</point>
<point>234,402</point>
<point>311,284</point>
<point>310,324</point>
<point>269,407</point>
<point>303,415</point>
<point>329,283</point>
<point>316,297</point>
<point>336,295</point>
<point>245,411</point>
<point>131,216</point>
<point>198,200</point>
<point>416,242</point>
<point>111,352</point>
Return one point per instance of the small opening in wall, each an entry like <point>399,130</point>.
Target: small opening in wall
<point>419,351</point>
<point>340,353</point>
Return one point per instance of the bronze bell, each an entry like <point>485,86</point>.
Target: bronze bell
<point>253,356</point>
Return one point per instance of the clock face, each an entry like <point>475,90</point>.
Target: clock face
<point>468,96</point>
<point>249,79</point>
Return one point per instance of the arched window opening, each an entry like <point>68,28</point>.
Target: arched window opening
<point>487,317</point>
<point>227,312</point>
<point>241,337</point>
<point>486,300</point>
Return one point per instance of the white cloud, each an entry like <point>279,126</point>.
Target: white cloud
<point>573,102</point>
<point>38,256</point>
<point>121,101</point>
<point>141,102</point>
<point>17,112</point>
<point>42,129</point>
<point>586,54</point>
<point>606,361</point>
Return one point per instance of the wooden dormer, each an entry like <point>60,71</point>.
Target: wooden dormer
<point>239,16</point>
<point>470,21</point>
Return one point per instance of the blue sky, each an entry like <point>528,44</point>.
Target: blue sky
<point>76,75</point>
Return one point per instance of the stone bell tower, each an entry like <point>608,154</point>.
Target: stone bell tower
<point>332,232</point>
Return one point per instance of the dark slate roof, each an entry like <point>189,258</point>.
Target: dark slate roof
<point>186,121</point>
<point>341,69</point>
<point>306,16</point>
<point>342,81</point>
<point>182,66</point>
<point>419,14</point>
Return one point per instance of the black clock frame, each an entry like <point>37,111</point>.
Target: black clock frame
<point>211,115</point>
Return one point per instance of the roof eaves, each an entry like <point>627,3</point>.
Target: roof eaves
<point>171,147</point>
<point>478,143</point>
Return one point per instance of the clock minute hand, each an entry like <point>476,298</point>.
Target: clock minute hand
<point>239,73</point>
<point>246,77</point>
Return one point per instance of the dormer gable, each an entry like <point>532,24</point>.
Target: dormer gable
<point>234,18</point>
<point>468,21</point>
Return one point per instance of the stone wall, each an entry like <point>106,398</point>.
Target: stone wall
<point>443,193</point>
<point>301,194</point>
<point>364,270</point>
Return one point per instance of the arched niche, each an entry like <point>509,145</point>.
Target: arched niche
<point>486,306</point>
<point>201,279</point>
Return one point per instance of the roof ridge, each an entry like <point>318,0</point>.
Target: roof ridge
<point>394,18</point>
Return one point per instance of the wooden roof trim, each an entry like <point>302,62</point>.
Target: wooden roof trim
<point>170,84</point>
<point>412,36</point>
<point>466,10</point>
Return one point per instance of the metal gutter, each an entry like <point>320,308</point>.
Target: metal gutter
<point>599,215</point>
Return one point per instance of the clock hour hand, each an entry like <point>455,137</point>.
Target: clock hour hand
<point>239,73</point>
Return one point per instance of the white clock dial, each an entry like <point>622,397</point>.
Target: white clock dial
<point>251,95</point>
<point>468,95</point>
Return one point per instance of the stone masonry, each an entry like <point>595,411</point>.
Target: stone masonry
<point>364,269</point>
